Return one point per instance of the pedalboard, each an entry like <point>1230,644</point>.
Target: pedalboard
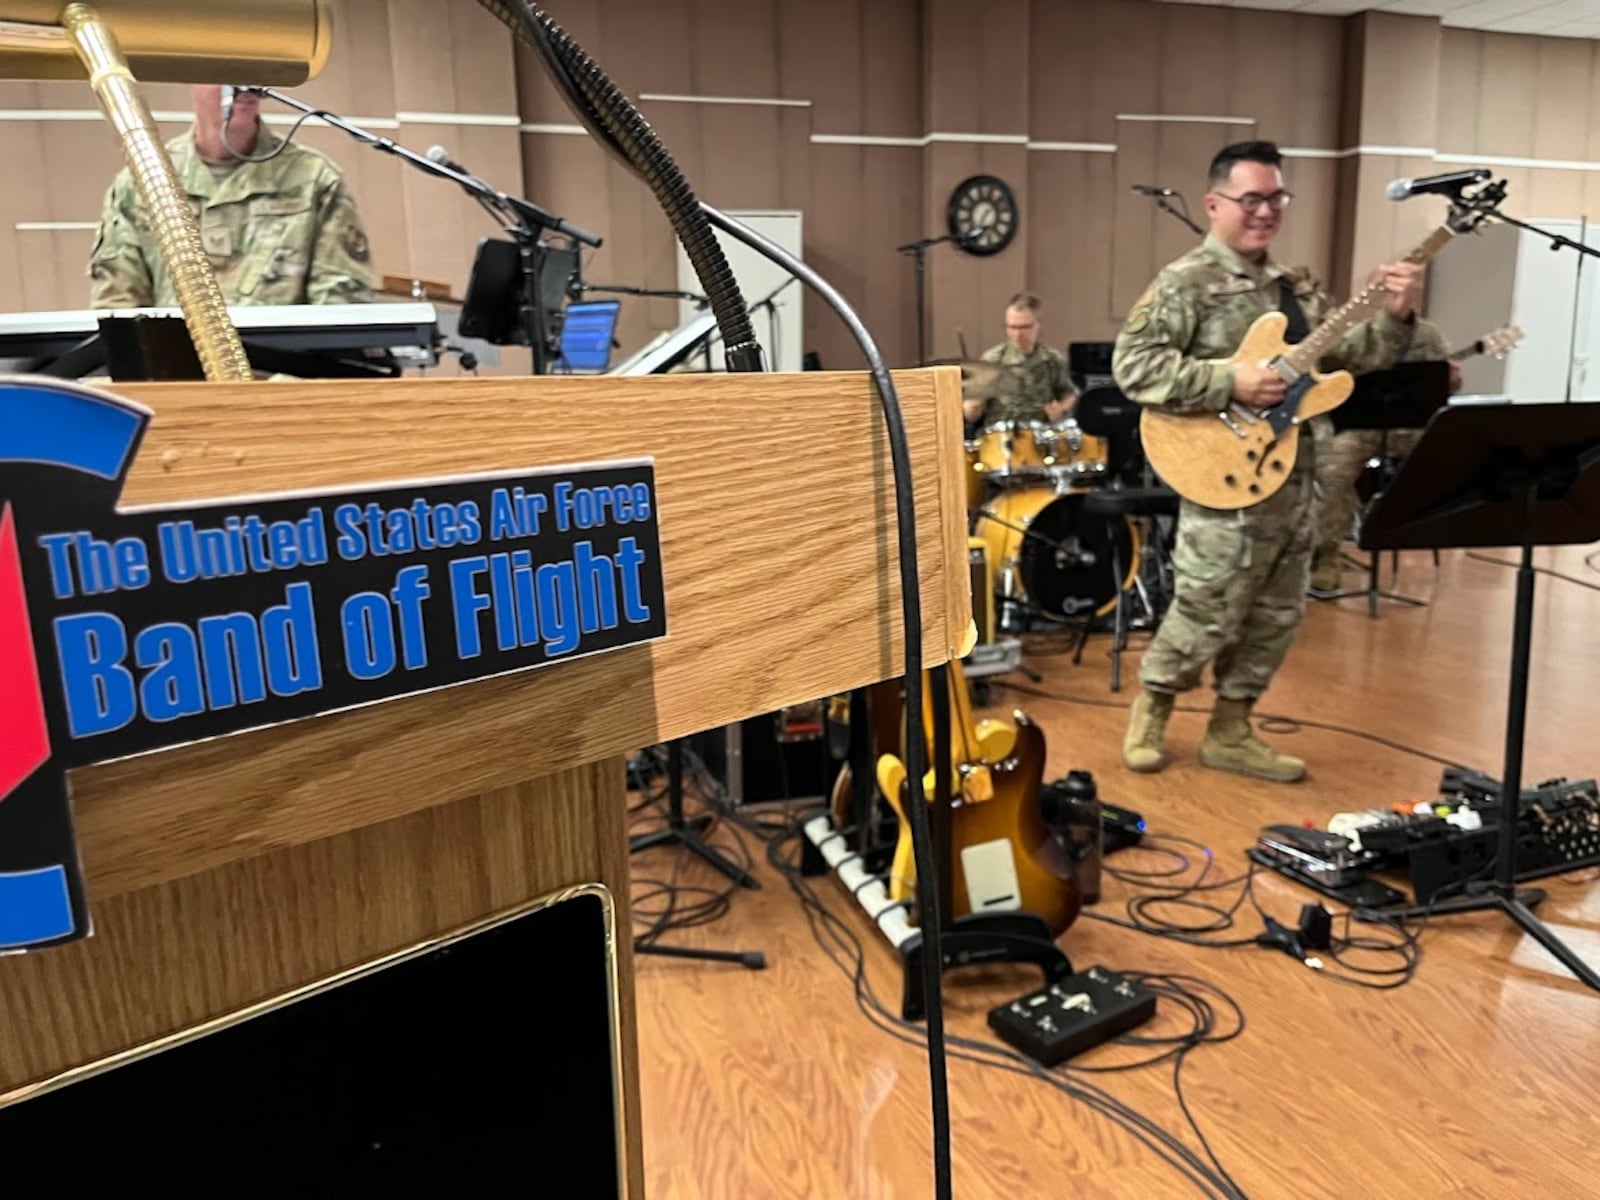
<point>1072,1015</point>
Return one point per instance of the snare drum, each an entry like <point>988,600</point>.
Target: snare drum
<point>1047,550</point>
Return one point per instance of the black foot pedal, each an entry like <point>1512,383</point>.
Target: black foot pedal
<point>1073,1015</point>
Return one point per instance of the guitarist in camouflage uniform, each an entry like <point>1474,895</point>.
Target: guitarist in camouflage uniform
<point>1241,575</point>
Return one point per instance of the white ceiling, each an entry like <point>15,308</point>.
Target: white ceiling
<point>1554,18</point>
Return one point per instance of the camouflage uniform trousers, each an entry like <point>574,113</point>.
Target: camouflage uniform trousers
<point>1340,461</point>
<point>1240,595</point>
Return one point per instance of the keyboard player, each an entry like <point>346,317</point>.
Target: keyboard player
<point>277,220</point>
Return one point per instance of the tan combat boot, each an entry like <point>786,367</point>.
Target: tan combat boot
<point>1143,746</point>
<point>1326,573</point>
<point>1231,744</point>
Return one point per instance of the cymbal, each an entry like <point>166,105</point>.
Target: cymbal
<point>983,380</point>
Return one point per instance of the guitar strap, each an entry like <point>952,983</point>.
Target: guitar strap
<point>1289,305</point>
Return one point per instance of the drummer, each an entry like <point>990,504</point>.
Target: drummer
<point>1042,389</point>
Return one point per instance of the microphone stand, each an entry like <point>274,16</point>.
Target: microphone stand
<point>770,303</point>
<point>1161,203</point>
<point>522,220</point>
<point>1164,206</point>
<point>919,251</point>
<point>1487,201</point>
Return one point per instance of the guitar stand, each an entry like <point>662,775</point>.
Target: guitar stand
<point>1016,937</point>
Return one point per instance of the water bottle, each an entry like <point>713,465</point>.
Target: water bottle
<point>1085,832</point>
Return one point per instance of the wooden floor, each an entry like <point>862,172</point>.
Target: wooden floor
<point>1479,1079</point>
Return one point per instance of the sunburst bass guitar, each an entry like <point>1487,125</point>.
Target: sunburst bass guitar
<point>1241,456</point>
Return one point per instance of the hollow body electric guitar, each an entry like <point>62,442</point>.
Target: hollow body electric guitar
<point>1241,456</point>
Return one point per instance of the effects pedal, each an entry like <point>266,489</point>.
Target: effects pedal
<point>1071,1016</point>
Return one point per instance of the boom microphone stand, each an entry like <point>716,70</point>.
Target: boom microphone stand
<point>1487,201</point>
<point>918,250</point>
<point>522,220</point>
<point>1159,195</point>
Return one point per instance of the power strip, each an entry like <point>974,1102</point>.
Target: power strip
<point>1074,1015</point>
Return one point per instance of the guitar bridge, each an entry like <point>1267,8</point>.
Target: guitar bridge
<point>1229,418</point>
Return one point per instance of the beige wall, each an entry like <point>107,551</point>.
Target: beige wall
<point>837,102</point>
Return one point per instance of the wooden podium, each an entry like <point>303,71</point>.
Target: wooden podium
<point>226,873</point>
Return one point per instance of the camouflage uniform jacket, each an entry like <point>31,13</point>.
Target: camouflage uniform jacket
<point>284,231</point>
<point>1044,378</point>
<point>1198,311</point>
<point>1426,344</point>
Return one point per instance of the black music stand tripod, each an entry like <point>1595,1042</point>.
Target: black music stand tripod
<point>1404,397</point>
<point>684,833</point>
<point>1500,475</point>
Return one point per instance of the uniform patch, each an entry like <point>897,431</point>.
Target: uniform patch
<point>218,240</point>
<point>1139,318</point>
<point>356,246</point>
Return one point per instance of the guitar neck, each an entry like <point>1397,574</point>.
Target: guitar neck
<point>1465,353</point>
<point>1305,356</point>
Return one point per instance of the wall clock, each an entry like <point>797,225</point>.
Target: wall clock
<point>983,215</point>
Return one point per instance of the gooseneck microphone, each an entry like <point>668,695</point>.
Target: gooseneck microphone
<point>1449,184</point>
<point>1150,189</point>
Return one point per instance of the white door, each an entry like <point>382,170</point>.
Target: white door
<point>779,316</point>
<point>1546,308</point>
<point>1586,341</point>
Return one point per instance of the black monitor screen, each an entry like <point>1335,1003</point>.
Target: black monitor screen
<point>489,1058</point>
<point>586,335</point>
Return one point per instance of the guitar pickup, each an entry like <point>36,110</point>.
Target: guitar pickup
<point>1228,420</point>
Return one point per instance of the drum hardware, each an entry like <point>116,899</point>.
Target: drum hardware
<point>1050,557</point>
<point>1142,605</point>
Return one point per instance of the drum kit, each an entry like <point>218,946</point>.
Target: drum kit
<point>1026,483</point>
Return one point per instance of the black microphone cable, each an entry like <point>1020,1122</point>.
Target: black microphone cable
<point>622,130</point>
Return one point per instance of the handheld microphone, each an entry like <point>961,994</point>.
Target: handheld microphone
<point>1150,189</point>
<point>1448,184</point>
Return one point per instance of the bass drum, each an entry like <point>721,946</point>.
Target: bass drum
<point>1046,550</point>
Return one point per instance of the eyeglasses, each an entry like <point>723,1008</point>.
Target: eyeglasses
<point>1253,202</point>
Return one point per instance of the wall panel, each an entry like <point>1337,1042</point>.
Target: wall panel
<point>1047,70</point>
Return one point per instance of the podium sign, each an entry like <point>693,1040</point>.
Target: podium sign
<point>128,631</point>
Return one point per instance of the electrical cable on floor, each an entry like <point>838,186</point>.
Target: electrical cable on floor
<point>622,130</point>
<point>1515,566</point>
<point>1145,915</point>
<point>840,942</point>
<point>1270,722</point>
<point>662,906</point>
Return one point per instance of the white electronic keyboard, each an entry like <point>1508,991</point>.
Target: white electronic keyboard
<point>336,339</point>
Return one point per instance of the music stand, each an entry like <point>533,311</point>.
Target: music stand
<point>1404,397</point>
<point>1500,475</point>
